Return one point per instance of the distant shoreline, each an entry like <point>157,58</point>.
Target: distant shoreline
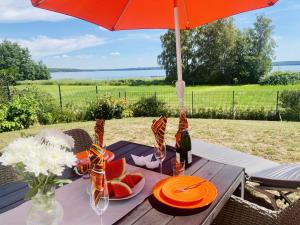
<point>57,70</point>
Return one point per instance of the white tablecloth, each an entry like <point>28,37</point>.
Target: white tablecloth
<point>75,201</point>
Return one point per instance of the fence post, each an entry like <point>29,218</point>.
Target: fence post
<point>192,102</point>
<point>8,92</point>
<point>233,104</point>
<point>125,95</point>
<point>155,96</point>
<point>60,99</point>
<point>277,103</point>
<point>119,94</point>
<point>96,89</point>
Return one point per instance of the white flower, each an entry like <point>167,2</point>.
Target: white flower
<point>19,150</point>
<point>56,138</point>
<point>42,154</point>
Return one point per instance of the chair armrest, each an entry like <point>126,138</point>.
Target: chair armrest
<point>241,212</point>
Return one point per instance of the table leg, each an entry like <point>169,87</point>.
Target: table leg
<point>243,186</point>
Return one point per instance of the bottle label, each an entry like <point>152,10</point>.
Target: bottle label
<point>189,157</point>
<point>177,157</point>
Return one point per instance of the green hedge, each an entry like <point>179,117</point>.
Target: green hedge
<point>108,107</point>
<point>280,78</point>
<point>149,107</point>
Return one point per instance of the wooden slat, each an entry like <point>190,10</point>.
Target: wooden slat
<point>11,187</point>
<point>138,212</point>
<point>223,181</point>
<point>12,195</point>
<point>117,145</point>
<point>124,150</point>
<point>154,217</point>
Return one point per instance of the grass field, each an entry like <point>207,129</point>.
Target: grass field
<point>278,141</point>
<point>252,96</point>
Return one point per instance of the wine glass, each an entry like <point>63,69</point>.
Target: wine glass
<point>99,196</point>
<point>160,154</point>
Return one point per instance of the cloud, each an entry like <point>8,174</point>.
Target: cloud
<point>12,11</point>
<point>42,46</point>
<point>115,53</point>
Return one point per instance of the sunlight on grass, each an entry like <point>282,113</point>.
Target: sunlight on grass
<point>278,141</point>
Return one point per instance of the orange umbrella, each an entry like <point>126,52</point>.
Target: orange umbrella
<point>153,14</point>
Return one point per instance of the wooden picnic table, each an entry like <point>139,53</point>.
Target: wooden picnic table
<point>226,178</point>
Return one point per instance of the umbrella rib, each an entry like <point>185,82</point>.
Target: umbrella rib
<point>121,15</point>
<point>186,15</point>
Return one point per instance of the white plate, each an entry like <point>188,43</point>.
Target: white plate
<point>136,190</point>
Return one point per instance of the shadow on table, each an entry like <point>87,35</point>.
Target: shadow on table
<point>173,211</point>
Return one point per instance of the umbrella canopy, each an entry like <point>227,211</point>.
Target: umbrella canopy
<point>153,14</point>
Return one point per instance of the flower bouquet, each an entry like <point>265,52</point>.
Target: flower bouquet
<point>40,160</point>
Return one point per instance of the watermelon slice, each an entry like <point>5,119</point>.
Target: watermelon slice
<point>110,189</point>
<point>127,179</point>
<point>136,177</point>
<point>121,189</point>
<point>115,169</point>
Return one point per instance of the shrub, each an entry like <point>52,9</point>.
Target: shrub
<point>238,113</point>
<point>290,103</point>
<point>107,107</point>
<point>47,108</point>
<point>149,107</point>
<point>280,78</point>
<point>20,113</point>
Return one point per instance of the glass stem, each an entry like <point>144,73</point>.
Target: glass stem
<point>160,162</point>
<point>101,220</point>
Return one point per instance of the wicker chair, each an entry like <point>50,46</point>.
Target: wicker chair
<point>83,140</point>
<point>7,175</point>
<point>241,212</point>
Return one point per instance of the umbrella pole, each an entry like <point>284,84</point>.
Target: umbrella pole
<point>180,84</point>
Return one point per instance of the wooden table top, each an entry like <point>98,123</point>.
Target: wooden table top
<point>225,177</point>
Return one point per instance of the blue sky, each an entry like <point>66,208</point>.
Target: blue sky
<point>62,41</point>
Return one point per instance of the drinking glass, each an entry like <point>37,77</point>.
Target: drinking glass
<point>99,196</point>
<point>178,166</point>
<point>160,154</point>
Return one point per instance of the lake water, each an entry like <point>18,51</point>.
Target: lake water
<point>108,75</point>
<point>287,68</point>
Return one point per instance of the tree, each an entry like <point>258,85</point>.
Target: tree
<point>219,53</point>
<point>13,56</point>
<point>205,53</point>
<point>262,48</point>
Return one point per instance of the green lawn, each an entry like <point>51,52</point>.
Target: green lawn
<point>278,141</point>
<point>252,96</point>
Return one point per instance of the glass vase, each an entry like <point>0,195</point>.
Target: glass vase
<point>45,210</point>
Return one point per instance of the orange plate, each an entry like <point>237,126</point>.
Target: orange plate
<point>188,196</point>
<point>82,155</point>
<point>109,156</point>
<point>209,198</point>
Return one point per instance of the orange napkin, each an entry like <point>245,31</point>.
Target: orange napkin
<point>159,129</point>
<point>99,131</point>
<point>97,171</point>
<point>90,159</point>
<point>183,125</point>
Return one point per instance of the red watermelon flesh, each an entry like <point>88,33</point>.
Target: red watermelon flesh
<point>127,179</point>
<point>136,177</point>
<point>115,169</point>
<point>121,189</point>
<point>110,189</point>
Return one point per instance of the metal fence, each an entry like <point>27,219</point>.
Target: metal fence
<point>194,100</point>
